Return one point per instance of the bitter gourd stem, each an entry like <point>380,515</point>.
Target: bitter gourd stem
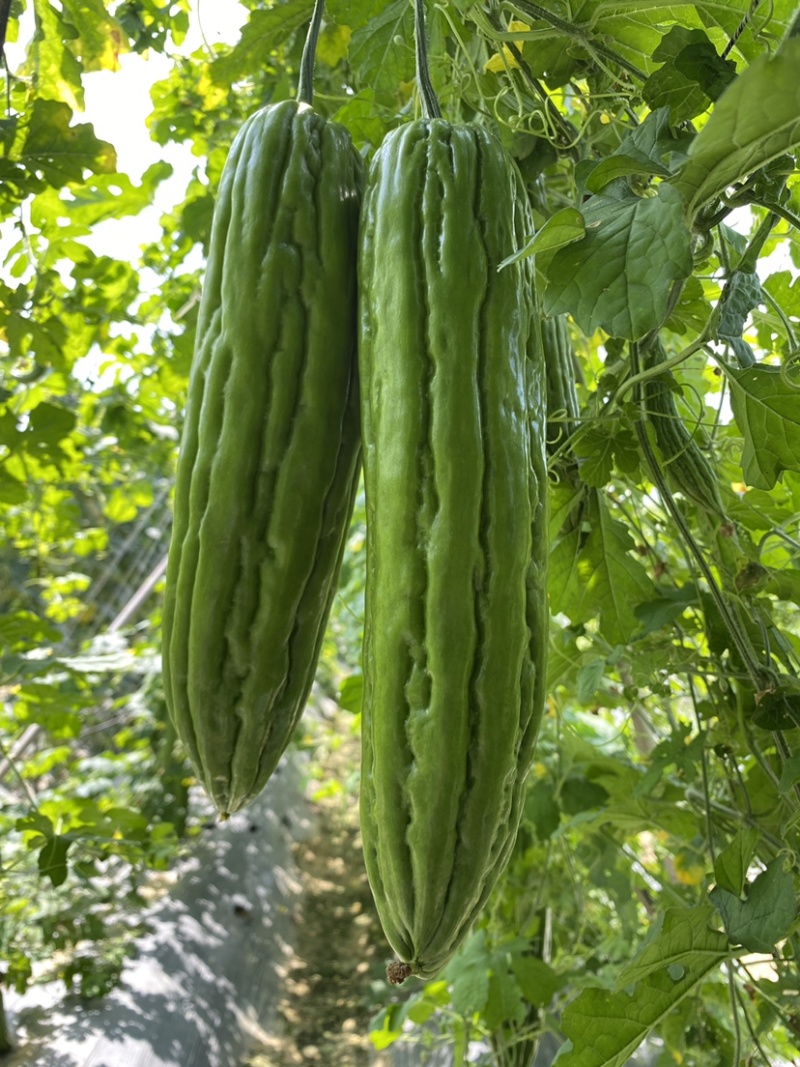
<point>305,86</point>
<point>761,678</point>
<point>430,105</point>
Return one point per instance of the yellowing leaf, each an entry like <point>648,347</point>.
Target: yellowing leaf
<point>496,64</point>
<point>333,44</point>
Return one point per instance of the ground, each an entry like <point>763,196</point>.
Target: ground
<point>336,977</point>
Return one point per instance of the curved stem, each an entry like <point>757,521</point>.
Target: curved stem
<point>430,105</point>
<point>591,44</point>
<point>305,87</point>
<point>779,209</point>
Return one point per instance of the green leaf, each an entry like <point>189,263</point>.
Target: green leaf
<point>683,938</point>
<point>104,196</point>
<point>53,860</point>
<point>333,43</point>
<point>789,775</point>
<point>655,144</point>
<point>618,277</point>
<point>504,1002</point>
<point>37,824</point>
<point>692,76</point>
<point>99,36</point>
<point>620,166</point>
<point>381,51</point>
<point>537,980</point>
<point>560,230</point>
<point>598,576</point>
<point>667,606</point>
<point>351,693</point>
<point>62,153</point>
<point>48,425</point>
<point>23,629</point>
<point>741,295</point>
<point>588,679</point>
<point>767,411</point>
<point>266,29</point>
<point>542,810</point>
<point>595,451</point>
<point>605,1028</point>
<point>765,917</point>
<point>563,500</point>
<point>755,120</point>
<point>469,973</point>
<point>730,868</point>
<point>359,116</point>
<point>54,69</point>
<point>578,794</point>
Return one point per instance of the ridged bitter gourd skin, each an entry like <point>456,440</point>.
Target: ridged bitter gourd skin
<point>269,459</point>
<point>453,430</point>
<point>685,464</point>
<point>563,408</point>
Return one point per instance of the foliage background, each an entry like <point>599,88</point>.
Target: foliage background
<point>654,883</point>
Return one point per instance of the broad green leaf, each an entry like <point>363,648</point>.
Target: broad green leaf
<point>789,775</point>
<point>655,143</point>
<point>765,917</point>
<point>100,37</point>
<point>333,44</point>
<point>767,412</point>
<point>599,576</point>
<point>537,980</point>
<point>504,1002</point>
<point>588,679</point>
<point>52,66</point>
<point>563,499</point>
<point>620,166</point>
<point>637,26</point>
<point>668,605</point>
<point>61,152</point>
<point>578,794</point>
<point>560,229</point>
<point>730,868</point>
<point>360,118</point>
<point>469,973</point>
<point>23,629</point>
<point>386,1028</point>
<point>351,693</point>
<point>352,13</point>
<point>266,29</point>
<point>103,196</point>
<point>48,425</point>
<point>541,809</point>
<point>380,50</point>
<point>783,584</point>
<point>53,859</point>
<point>755,120</point>
<point>618,277</point>
<point>741,295</point>
<point>683,938</point>
<point>38,825</point>
<point>692,76</point>
<point>605,1028</point>
<point>595,452</point>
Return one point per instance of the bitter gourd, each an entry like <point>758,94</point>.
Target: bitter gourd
<point>686,466</point>
<point>563,408</point>
<point>269,459</point>
<point>453,430</point>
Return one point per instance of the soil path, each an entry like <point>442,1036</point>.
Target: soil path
<point>337,970</point>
